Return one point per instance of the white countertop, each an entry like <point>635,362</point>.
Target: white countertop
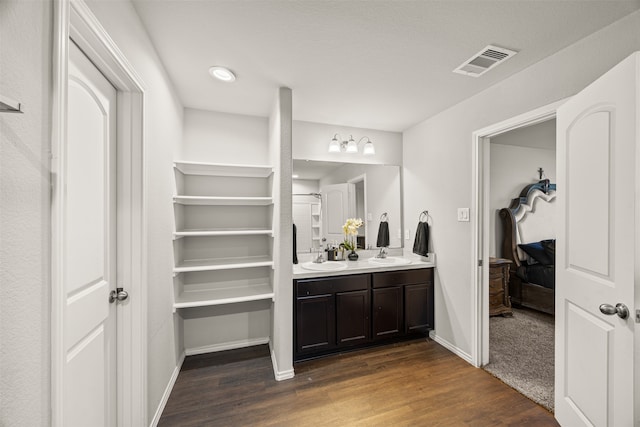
<point>364,266</point>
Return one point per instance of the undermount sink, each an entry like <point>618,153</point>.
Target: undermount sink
<point>325,266</point>
<point>390,260</point>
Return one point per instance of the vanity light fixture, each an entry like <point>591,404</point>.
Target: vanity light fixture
<point>222,73</point>
<point>338,145</point>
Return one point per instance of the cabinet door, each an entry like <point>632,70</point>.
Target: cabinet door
<point>418,308</point>
<point>352,317</point>
<point>387,312</point>
<point>315,324</point>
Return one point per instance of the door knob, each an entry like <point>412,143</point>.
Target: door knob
<point>119,294</point>
<point>620,309</point>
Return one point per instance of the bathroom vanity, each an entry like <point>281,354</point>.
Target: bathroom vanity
<point>361,305</point>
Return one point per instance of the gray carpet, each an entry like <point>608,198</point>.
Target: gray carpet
<point>521,353</point>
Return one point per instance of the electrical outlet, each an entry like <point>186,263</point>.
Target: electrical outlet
<point>399,233</point>
<point>407,234</point>
<point>463,214</point>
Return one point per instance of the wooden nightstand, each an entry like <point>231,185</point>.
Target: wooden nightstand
<point>499,300</point>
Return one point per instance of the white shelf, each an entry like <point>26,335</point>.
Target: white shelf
<point>216,169</point>
<point>223,296</point>
<point>222,264</point>
<point>223,232</point>
<point>223,201</point>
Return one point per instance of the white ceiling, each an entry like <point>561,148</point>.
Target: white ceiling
<point>372,64</point>
<point>541,135</point>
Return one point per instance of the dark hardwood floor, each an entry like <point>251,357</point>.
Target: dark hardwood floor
<point>418,383</point>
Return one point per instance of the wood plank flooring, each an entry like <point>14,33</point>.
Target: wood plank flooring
<point>418,383</point>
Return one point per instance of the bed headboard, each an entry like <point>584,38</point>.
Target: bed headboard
<point>529,218</point>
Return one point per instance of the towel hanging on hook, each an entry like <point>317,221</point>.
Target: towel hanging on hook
<point>421,242</point>
<point>383,232</point>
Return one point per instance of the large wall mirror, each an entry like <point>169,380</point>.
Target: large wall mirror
<point>325,194</point>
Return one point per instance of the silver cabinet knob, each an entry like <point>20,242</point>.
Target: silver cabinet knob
<point>118,295</point>
<point>620,309</point>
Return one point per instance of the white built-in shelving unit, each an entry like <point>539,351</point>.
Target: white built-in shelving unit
<point>223,237</point>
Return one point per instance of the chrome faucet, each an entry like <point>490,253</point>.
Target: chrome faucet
<point>319,258</point>
<point>382,253</point>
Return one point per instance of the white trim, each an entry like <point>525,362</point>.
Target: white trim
<point>480,223</point>
<point>452,348</point>
<point>58,136</point>
<point>167,392</point>
<point>232,345</point>
<point>278,374</point>
<point>74,20</point>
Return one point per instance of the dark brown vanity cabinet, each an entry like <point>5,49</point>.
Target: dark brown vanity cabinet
<point>402,302</point>
<point>387,312</point>
<point>331,313</point>
<point>334,313</point>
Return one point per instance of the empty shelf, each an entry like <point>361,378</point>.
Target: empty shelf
<point>223,264</point>
<point>222,296</point>
<point>223,201</point>
<point>223,232</point>
<point>216,169</point>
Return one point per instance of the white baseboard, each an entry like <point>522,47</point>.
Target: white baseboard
<point>226,346</point>
<point>452,348</point>
<point>279,375</point>
<point>167,392</point>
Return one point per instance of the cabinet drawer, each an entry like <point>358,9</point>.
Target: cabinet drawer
<point>402,277</point>
<point>330,285</point>
<point>496,273</point>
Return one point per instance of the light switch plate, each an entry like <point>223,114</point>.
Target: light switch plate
<point>463,214</point>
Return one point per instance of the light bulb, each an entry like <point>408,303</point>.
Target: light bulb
<point>369,149</point>
<point>352,147</point>
<point>334,146</point>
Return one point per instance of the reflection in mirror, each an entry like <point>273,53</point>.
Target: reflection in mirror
<point>325,194</point>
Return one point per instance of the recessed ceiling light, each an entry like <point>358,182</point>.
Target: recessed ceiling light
<point>294,176</point>
<point>222,73</point>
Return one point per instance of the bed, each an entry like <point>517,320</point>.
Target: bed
<point>529,242</point>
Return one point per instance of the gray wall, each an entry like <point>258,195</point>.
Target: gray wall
<point>515,157</point>
<point>438,159</point>
<point>25,70</point>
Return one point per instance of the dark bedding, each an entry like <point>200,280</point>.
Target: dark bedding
<point>538,274</point>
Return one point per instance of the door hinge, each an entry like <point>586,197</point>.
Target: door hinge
<point>479,263</point>
<point>638,316</point>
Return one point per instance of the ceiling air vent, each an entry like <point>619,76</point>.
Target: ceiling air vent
<point>484,60</point>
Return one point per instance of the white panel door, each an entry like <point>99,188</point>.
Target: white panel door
<point>597,186</point>
<point>90,248</point>
<point>338,204</point>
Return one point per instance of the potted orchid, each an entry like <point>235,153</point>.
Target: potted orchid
<point>350,229</point>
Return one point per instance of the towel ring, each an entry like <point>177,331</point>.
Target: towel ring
<point>384,217</point>
<point>424,216</point>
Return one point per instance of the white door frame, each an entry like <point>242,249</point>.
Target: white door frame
<point>480,225</point>
<point>355,180</point>
<point>74,20</point>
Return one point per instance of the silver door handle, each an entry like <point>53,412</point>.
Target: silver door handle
<point>119,294</point>
<point>620,309</point>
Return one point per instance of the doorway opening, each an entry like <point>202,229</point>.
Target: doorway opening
<point>485,219</point>
<point>522,214</point>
